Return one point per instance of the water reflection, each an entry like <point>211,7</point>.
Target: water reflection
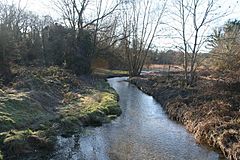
<point>143,131</point>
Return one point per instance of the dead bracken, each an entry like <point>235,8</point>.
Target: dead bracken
<point>211,113</point>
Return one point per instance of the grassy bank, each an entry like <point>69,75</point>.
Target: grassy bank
<point>210,111</point>
<point>41,103</point>
<point>109,73</point>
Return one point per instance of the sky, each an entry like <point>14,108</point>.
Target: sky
<point>44,7</point>
<point>170,38</point>
<point>41,7</point>
<point>165,40</point>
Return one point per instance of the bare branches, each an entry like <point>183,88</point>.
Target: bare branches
<point>73,11</point>
<point>194,17</point>
<point>141,24</point>
<point>100,17</point>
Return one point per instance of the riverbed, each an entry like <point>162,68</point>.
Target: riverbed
<point>142,132</point>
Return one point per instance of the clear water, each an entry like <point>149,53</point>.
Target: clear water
<point>142,132</point>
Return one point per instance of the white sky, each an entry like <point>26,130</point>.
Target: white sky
<point>170,37</point>
<point>44,7</point>
<point>41,7</point>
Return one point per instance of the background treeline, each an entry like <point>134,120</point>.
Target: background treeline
<point>26,38</point>
<point>113,34</point>
<point>165,57</point>
<point>32,40</point>
<point>225,47</point>
<point>112,38</point>
<point>170,57</point>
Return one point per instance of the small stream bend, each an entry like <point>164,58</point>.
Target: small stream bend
<point>142,132</point>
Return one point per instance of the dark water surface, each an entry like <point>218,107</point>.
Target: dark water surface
<point>142,132</point>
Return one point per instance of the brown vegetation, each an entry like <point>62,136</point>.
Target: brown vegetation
<point>210,111</point>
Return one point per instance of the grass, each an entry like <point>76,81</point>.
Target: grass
<point>44,102</point>
<point>18,110</point>
<point>109,73</point>
<point>17,142</point>
<point>93,109</point>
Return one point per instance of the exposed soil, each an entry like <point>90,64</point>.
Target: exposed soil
<point>210,111</point>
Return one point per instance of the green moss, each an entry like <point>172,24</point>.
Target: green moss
<point>19,111</point>
<point>33,102</point>
<point>6,122</point>
<point>100,102</point>
<point>25,141</point>
<point>92,109</point>
<point>15,142</point>
<point>70,125</point>
<point>109,104</point>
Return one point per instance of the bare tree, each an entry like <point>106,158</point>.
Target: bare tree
<point>10,34</point>
<point>86,20</point>
<point>104,30</point>
<point>73,12</point>
<point>141,22</point>
<point>194,17</point>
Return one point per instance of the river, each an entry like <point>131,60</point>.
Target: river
<point>142,132</point>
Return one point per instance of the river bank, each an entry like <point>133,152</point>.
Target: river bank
<point>41,103</point>
<point>143,131</point>
<point>209,111</point>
